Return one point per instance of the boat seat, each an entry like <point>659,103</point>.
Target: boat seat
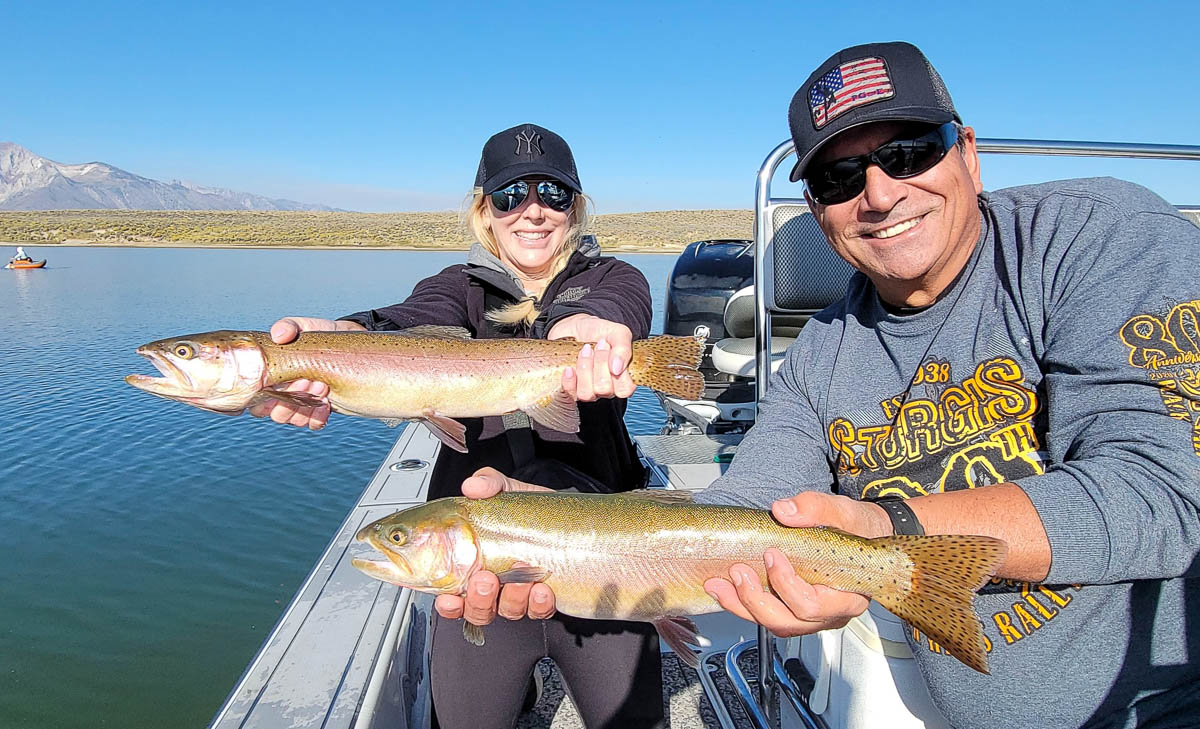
<point>802,276</point>
<point>734,355</point>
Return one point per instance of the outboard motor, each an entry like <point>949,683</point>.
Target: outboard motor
<point>706,275</point>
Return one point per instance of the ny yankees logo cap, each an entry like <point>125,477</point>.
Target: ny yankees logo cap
<point>523,151</point>
<point>864,84</point>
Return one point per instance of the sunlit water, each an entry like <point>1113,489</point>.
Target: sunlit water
<point>146,547</point>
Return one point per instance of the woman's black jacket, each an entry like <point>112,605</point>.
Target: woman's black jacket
<point>601,456</point>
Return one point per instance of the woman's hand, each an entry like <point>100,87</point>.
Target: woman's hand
<point>485,598</point>
<point>286,330</point>
<point>602,369</point>
<point>798,607</point>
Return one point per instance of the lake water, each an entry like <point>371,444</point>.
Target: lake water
<point>148,547</point>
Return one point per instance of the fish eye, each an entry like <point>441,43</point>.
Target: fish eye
<point>397,537</point>
<point>184,351</point>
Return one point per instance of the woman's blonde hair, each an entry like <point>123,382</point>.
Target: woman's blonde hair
<point>526,310</point>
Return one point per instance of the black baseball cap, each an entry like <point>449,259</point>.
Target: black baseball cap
<point>864,84</point>
<point>522,151</point>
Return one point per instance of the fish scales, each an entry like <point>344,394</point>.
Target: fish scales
<point>403,376</point>
<point>635,556</point>
<point>586,554</point>
<point>430,374</point>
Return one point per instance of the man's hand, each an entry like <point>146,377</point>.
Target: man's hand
<point>602,367</point>
<point>286,330</point>
<point>797,607</point>
<point>485,598</point>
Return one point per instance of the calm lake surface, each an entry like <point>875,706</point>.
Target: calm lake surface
<point>149,547</point>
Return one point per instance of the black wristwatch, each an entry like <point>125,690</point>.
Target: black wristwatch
<point>904,521</point>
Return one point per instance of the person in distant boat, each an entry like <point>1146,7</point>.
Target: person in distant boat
<point>21,255</point>
<point>1021,364</point>
<point>533,274</point>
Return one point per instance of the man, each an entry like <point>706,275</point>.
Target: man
<point>1022,364</point>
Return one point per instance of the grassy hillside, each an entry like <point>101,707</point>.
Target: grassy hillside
<point>653,231</point>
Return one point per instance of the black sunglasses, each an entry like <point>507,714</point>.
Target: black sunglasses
<point>839,180</point>
<point>553,194</point>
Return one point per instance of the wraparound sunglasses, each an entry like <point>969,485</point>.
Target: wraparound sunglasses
<point>553,194</point>
<point>839,180</point>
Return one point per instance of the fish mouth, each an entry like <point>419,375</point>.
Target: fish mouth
<point>173,383</point>
<point>384,569</point>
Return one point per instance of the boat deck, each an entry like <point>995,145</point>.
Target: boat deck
<point>687,462</point>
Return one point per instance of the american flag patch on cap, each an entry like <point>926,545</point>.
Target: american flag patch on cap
<point>848,86</point>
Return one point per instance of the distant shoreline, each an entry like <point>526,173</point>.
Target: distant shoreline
<point>463,247</point>
<point>649,232</point>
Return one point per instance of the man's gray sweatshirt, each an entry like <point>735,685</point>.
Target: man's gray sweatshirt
<point>1065,359</point>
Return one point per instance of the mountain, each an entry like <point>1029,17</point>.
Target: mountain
<point>30,182</point>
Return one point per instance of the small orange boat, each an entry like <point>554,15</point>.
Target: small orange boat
<point>27,263</point>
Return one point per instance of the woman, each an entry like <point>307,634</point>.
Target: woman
<point>531,275</point>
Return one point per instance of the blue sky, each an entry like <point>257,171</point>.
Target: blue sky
<point>385,106</point>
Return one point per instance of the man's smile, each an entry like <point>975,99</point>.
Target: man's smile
<point>895,230</point>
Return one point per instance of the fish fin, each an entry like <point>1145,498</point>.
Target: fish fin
<point>670,365</point>
<point>680,634</point>
<point>435,331</point>
<point>473,633</point>
<point>947,570</point>
<point>521,574</point>
<point>662,496</point>
<point>298,398</point>
<point>557,411</point>
<point>448,430</point>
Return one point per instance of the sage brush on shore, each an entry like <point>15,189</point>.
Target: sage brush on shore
<point>663,230</point>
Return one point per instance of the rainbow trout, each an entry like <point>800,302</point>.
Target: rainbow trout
<point>644,555</point>
<point>430,374</point>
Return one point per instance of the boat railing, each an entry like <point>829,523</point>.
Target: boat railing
<point>771,215</point>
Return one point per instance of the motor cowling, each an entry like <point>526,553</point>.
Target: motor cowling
<point>706,275</point>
